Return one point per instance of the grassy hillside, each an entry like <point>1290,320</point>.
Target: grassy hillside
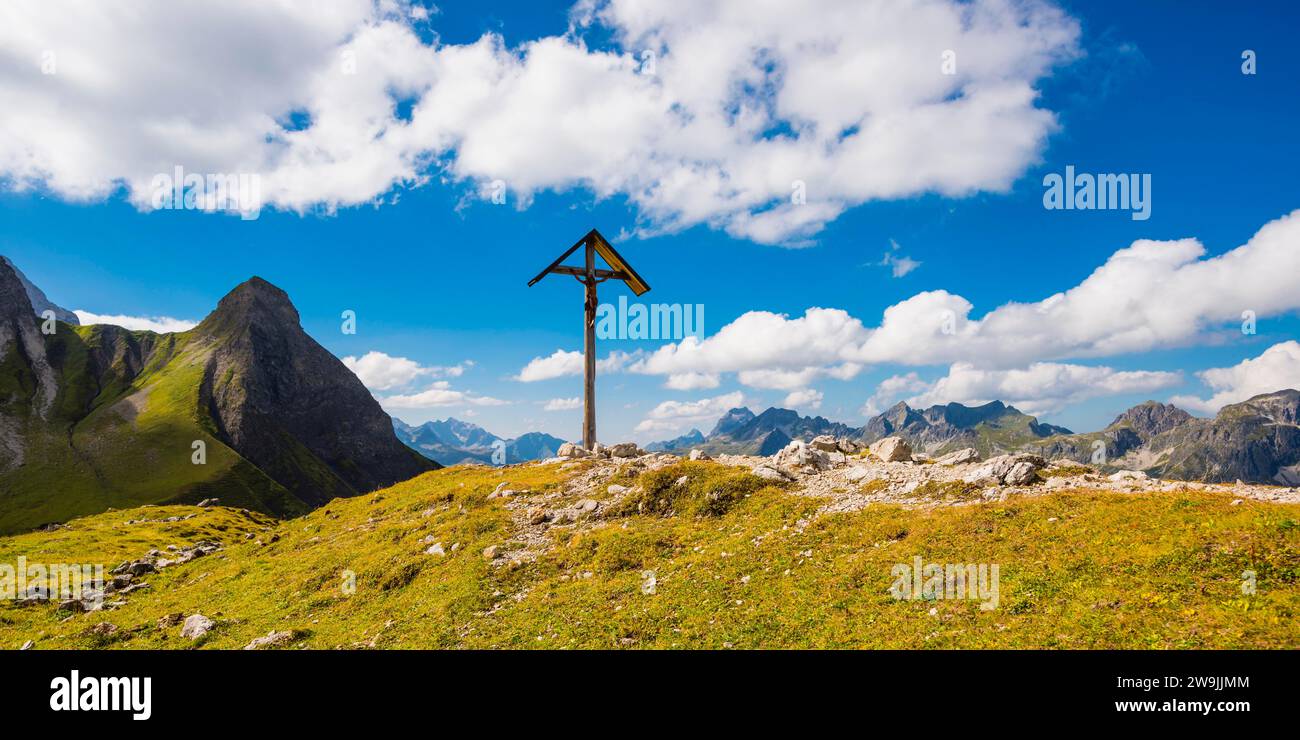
<point>104,433</point>
<point>999,435</point>
<point>734,563</point>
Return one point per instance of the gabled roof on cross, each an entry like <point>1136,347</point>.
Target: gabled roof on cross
<point>622,270</point>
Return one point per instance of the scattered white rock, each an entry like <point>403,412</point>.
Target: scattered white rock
<point>848,446</point>
<point>860,473</point>
<point>196,626</point>
<point>625,449</point>
<point>102,629</point>
<point>617,489</point>
<point>1125,475</point>
<point>959,457</point>
<point>800,456</point>
<point>699,455</point>
<point>1021,468</point>
<point>272,639</point>
<point>1021,474</point>
<point>825,443</point>
<point>769,473</point>
<point>571,451</point>
<point>435,549</point>
<point>892,449</point>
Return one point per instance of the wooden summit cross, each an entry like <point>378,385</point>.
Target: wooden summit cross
<point>590,277</point>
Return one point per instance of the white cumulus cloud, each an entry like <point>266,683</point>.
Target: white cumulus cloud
<point>808,398</point>
<point>563,362</point>
<point>563,404</point>
<point>671,416</point>
<point>437,395</point>
<point>1147,296</point>
<point>891,390</point>
<point>160,324</point>
<point>1277,368</point>
<point>337,104</point>
<point>383,372</point>
<point>692,381</point>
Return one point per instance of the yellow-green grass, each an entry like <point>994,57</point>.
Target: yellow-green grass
<point>1065,471</point>
<point>1077,570</point>
<point>133,447</point>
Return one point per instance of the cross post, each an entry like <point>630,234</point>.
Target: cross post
<point>590,276</point>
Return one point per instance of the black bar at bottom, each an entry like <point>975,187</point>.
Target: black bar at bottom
<point>964,690</point>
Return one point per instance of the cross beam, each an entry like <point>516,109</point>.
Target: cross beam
<point>590,276</point>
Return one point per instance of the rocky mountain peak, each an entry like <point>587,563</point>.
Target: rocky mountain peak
<point>254,302</point>
<point>900,415</point>
<point>273,390</point>
<point>13,297</point>
<point>37,298</point>
<point>1280,407</point>
<point>18,330</point>
<point>775,416</point>
<point>732,420</point>
<point>965,417</point>
<point>1151,418</point>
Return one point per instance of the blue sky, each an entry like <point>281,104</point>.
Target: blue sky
<point>436,273</point>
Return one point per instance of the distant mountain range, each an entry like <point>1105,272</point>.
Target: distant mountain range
<point>1256,441</point>
<point>245,407</point>
<point>452,442</point>
<point>992,428</point>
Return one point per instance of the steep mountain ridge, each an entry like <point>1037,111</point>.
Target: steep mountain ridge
<point>1257,440</point>
<point>275,393</point>
<point>1150,418</point>
<point>992,428</point>
<point>739,431</point>
<point>731,420</point>
<point>245,407</point>
<point>39,301</point>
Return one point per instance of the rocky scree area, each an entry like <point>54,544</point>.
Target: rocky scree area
<point>844,472</point>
